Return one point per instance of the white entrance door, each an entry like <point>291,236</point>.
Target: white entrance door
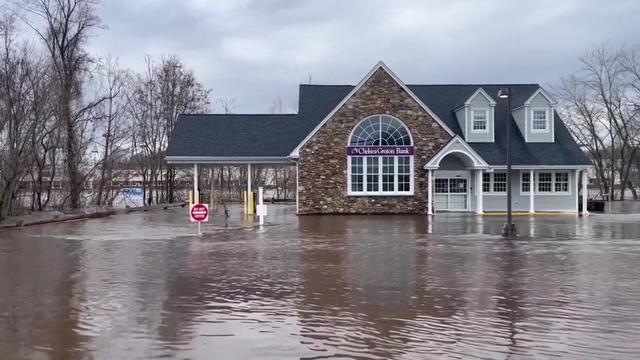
<point>451,192</point>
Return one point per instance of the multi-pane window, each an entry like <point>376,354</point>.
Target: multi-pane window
<point>494,183</point>
<point>357,174</point>
<point>388,173</point>
<point>373,174</point>
<point>458,186</point>
<point>499,182</point>
<point>539,120</point>
<point>545,182</point>
<point>525,182</point>
<point>486,182</point>
<point>380,130</point>
<point>380,175</point>
<point>479,117</point>
<point>561,182</point>
<point>441,186</point>
<point>404,174</point>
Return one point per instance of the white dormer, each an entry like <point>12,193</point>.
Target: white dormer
<point>535,118</point>
<point>476,116</point>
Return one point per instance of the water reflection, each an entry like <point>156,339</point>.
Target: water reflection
<point>139,286</point>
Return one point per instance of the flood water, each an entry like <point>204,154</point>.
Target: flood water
<point>142,286</point>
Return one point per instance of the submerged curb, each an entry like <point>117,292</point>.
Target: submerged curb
<point>94,215</point>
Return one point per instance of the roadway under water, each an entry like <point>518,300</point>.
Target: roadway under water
<point>143,286</point>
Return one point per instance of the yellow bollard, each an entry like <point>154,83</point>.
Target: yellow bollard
<point>190,199</point>
<point>244,202</point>
<point>251,203</point>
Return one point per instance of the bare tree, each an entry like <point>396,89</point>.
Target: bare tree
<point>18,121</point>
<point>64,27</point>
<point>228,105</point>
<point>113,127</point>
<point>156,98</point>
<point>601,105</point>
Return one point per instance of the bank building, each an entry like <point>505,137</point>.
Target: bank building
<point>384,147</point>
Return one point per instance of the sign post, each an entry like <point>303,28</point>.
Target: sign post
<point>199,213</point>
<point>261,209</point>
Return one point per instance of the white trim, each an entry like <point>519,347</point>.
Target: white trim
<point>544,93</point>
<point>486,120</point>
<point>297,188</point>
<point>379,65</point>
<point>430,202</point>
<point>380,192</point>
<point>585,192</point>
<point>542,167</point>
<point>228,160</point>
<point>532,184</point>
<point>380,119</point>
<point>491,192</point>
<point>520,182</point>
<point>484,93</point>
<point>541,90</point>
<point>479,193</point>
<point>546,130</point>
<point>478,161</point>
<point>455,174</point>
<point>553,182</point>
<point>470,99</point>
<point>553,191</point>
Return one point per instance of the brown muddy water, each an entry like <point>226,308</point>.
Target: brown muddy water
<point>142,286</point>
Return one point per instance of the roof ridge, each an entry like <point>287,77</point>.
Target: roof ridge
<point>236,114</point>
<point>488,84</point>
<point>449,84</point>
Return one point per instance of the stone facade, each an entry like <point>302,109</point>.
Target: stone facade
<point>322,166</point>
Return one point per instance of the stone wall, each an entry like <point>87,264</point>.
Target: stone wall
<point>323,161</point>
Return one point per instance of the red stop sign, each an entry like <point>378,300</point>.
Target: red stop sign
<point>199,212</point>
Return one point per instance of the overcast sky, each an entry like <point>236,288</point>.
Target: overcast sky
<point>256,50</point>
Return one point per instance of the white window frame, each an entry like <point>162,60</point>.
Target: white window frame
<point>547,122</point>
<point>491,181</point>
<point>486,120</point>
<point>380,192</point>
<point>522,173</point>
<point>536,176</point>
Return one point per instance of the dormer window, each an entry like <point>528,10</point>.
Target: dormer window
<point>540,120</point>
<point>479,120</point>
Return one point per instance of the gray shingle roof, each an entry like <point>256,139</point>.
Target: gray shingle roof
<point>221,135</point>
<point>277,135</point>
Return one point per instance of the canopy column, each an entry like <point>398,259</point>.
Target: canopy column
<point>249,197</point>
<point>532,207</point>
<point>479,193</point>
<point>430,193</point>
<point>196,196</point>
<point>585,179</point>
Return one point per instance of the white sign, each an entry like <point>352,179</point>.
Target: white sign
<point>261,210</point>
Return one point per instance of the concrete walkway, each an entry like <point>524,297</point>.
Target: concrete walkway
<point>49,217</point>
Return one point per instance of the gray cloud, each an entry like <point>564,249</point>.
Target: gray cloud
<point>255,50</point>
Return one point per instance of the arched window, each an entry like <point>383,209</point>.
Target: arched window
<point>380,157</point>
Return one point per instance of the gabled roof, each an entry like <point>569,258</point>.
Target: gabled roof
<point>457,145</point>
<point>256,136</point>
<point>476,93</point>
<point>541,91</point>
<point>385,68</point>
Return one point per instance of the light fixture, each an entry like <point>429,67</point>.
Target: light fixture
<point>503,93</point>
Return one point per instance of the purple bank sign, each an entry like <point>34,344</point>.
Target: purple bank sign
<point>379,150</point>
